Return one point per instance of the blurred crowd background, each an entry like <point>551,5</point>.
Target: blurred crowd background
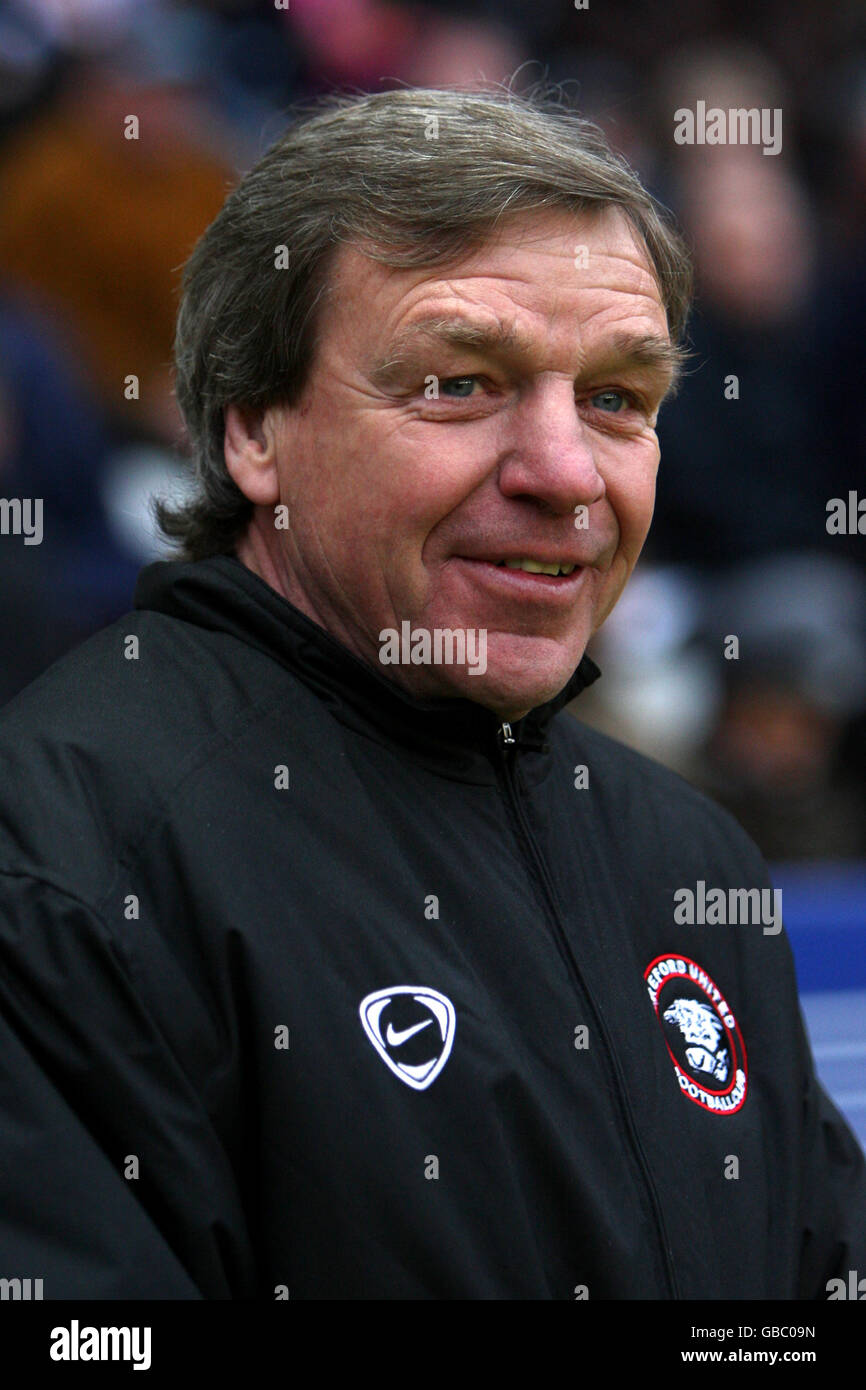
<point>94,229</point>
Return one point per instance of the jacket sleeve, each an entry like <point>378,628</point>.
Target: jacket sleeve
<point>113,1179</point>
<point>833,1223</point>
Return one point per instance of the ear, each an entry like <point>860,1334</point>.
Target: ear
<point>251,453</point>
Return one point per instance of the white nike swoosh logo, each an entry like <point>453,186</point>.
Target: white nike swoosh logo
<point>394,1039</point>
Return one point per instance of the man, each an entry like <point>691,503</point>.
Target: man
<point>337,962</point>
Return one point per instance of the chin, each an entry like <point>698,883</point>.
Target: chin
<point>524,673</point>
<point>510,694</point>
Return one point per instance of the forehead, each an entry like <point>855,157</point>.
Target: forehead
<point>539,274</point>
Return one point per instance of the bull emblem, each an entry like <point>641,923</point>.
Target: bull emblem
<point>702,1031</point>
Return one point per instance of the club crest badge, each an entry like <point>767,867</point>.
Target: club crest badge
<point>701,1033</point>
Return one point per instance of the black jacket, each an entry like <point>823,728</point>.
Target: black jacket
<point>310,987</point>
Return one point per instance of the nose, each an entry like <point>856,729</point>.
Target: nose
<point>550,455</point>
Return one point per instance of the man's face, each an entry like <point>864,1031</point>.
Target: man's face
<point>502,410</point>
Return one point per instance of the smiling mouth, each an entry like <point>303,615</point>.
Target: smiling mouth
<point>529,573</point>
<point>530,566</point>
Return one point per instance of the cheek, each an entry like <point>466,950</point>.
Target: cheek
<point>427,472</point>
<point>630,480</point>
<point>339,467</point>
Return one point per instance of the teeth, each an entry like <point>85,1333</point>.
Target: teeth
<point>535,567</point>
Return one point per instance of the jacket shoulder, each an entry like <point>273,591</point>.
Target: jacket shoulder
<point>92,749</point>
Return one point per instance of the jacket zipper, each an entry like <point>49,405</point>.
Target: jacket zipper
<point>506,744</point>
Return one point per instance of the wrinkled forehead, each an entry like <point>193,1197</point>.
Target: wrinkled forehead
<point>552,261</point>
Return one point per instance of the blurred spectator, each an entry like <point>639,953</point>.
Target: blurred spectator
<point>97,226</point>
<point>748,447</point>
<point>54,446</point>
<point>777,755</point>
<point>374,43</point>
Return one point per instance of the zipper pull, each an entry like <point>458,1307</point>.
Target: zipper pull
<point>505,735</point>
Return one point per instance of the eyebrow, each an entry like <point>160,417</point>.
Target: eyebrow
<point>659,355</point>
<point>662,357</point>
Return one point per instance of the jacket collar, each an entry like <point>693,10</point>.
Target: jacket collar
<point>223,595</point>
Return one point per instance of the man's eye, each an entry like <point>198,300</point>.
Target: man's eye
<point>611,401</point>
<point>457,385</point>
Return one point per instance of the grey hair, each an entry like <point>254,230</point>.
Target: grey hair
<point>413,177</point>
